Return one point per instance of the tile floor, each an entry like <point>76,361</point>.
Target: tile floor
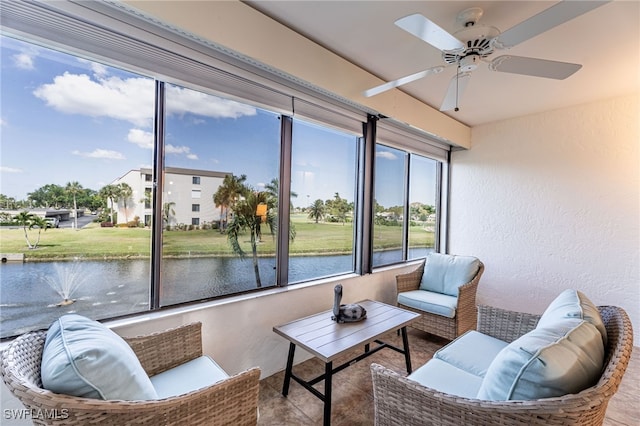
<point>353,394</point>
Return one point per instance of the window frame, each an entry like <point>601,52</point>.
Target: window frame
<point>236,77</point>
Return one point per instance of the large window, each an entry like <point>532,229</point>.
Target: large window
<point>198,186</point>
<point>405,213</point>
<point>389,201</point>
<point>72,130</point>
<point>323,187</point>
<point>235,149</point>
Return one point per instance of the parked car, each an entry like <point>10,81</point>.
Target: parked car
<point>54,222</point>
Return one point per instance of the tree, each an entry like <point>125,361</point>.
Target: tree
<point>40,223</point>
<point>74,188</point>
<point>227,195</point>
<point>316,210</point>
<point>338,207</point>
<point>24,219</point>
<point>109,192</point>
<point>245,218</point>
<point>124,193</point>
<point>168,212</point>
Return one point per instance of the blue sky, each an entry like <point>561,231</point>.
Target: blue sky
<point>66,119</point>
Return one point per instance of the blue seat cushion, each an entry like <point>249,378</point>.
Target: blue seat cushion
<point>472,352</point>
<point>446,378</point>
<point>84,358</point>
<point>190,376</point>
<point>428,301</point>
<point>444,273</point>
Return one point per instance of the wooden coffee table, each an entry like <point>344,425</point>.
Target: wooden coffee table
<point>327,340</point>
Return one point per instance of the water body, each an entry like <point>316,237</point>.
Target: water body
<point>105,289</point>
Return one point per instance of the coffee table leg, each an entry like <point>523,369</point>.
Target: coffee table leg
<point>287,373</point>
<point>328,373</point>
<point>407,355</point>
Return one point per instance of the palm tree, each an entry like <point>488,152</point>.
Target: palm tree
<point>316,210</point>
<point>167,212</point>
<point>124,193</point>
<point>24,218</point>
<point>73,188</point>
<point>228,194</point>
<point>109,192</point>
<point>245,218</point>
<point>40,223</point>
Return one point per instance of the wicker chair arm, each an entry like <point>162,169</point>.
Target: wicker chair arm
<point>403,402</point>
<point>504,324</point>
<point>231,401</point>
<point>411,280</point>
<point>164,350</point>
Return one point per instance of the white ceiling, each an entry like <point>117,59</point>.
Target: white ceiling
<point>606,41</point>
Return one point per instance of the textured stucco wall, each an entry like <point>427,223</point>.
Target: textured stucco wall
<point>552,201</point>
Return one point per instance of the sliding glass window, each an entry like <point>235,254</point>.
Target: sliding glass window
<point>389,201</point>
<point>221,155</point>
<point>73,232</point>
<point>423,214</point>
<point>323,188</point>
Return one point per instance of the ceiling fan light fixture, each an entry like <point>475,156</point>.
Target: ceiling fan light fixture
<point>469,62</point>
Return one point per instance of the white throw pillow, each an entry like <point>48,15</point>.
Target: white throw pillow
<point>82,357</point>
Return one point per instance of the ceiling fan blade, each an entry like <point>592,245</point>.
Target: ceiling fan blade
<point>533,66</point>
<point>404,80</point>
<point>429,31</point>
<point>456,88</point>
<point>549,18</point>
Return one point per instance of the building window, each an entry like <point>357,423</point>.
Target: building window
<point>195,207</point>
<point>195,180</point>
<point>195,221</point>
<point>196,193</point>
<point>147,177</point>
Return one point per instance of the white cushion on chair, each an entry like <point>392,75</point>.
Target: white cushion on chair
<point>192,375</point>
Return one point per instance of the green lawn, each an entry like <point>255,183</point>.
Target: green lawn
<point>96,242</point>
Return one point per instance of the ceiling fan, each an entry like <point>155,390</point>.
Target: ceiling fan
<point>475,43</point>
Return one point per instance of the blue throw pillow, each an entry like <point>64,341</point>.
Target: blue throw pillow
<point>546,362</point>
<point>83,358</point>
<point>444,273</point>
<point>573,304</point>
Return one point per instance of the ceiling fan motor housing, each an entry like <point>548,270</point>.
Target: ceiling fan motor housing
<point>477,39</point>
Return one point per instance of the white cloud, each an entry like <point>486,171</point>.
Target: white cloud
<point>101,153</point>
<point>181,101</point>
<point>23,61</point>
<point>171,149</point>
<point>3,122</point>
<point>4,169</point>
<point>386,155</point>
<point>128,99</point>
<point>141,138</point>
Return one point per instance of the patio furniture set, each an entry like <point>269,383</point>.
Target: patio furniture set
<point>501,367</point>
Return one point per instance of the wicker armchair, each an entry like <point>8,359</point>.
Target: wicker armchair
<point>232,401</point>
<point>449,328</point>
<point>400,401</point>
